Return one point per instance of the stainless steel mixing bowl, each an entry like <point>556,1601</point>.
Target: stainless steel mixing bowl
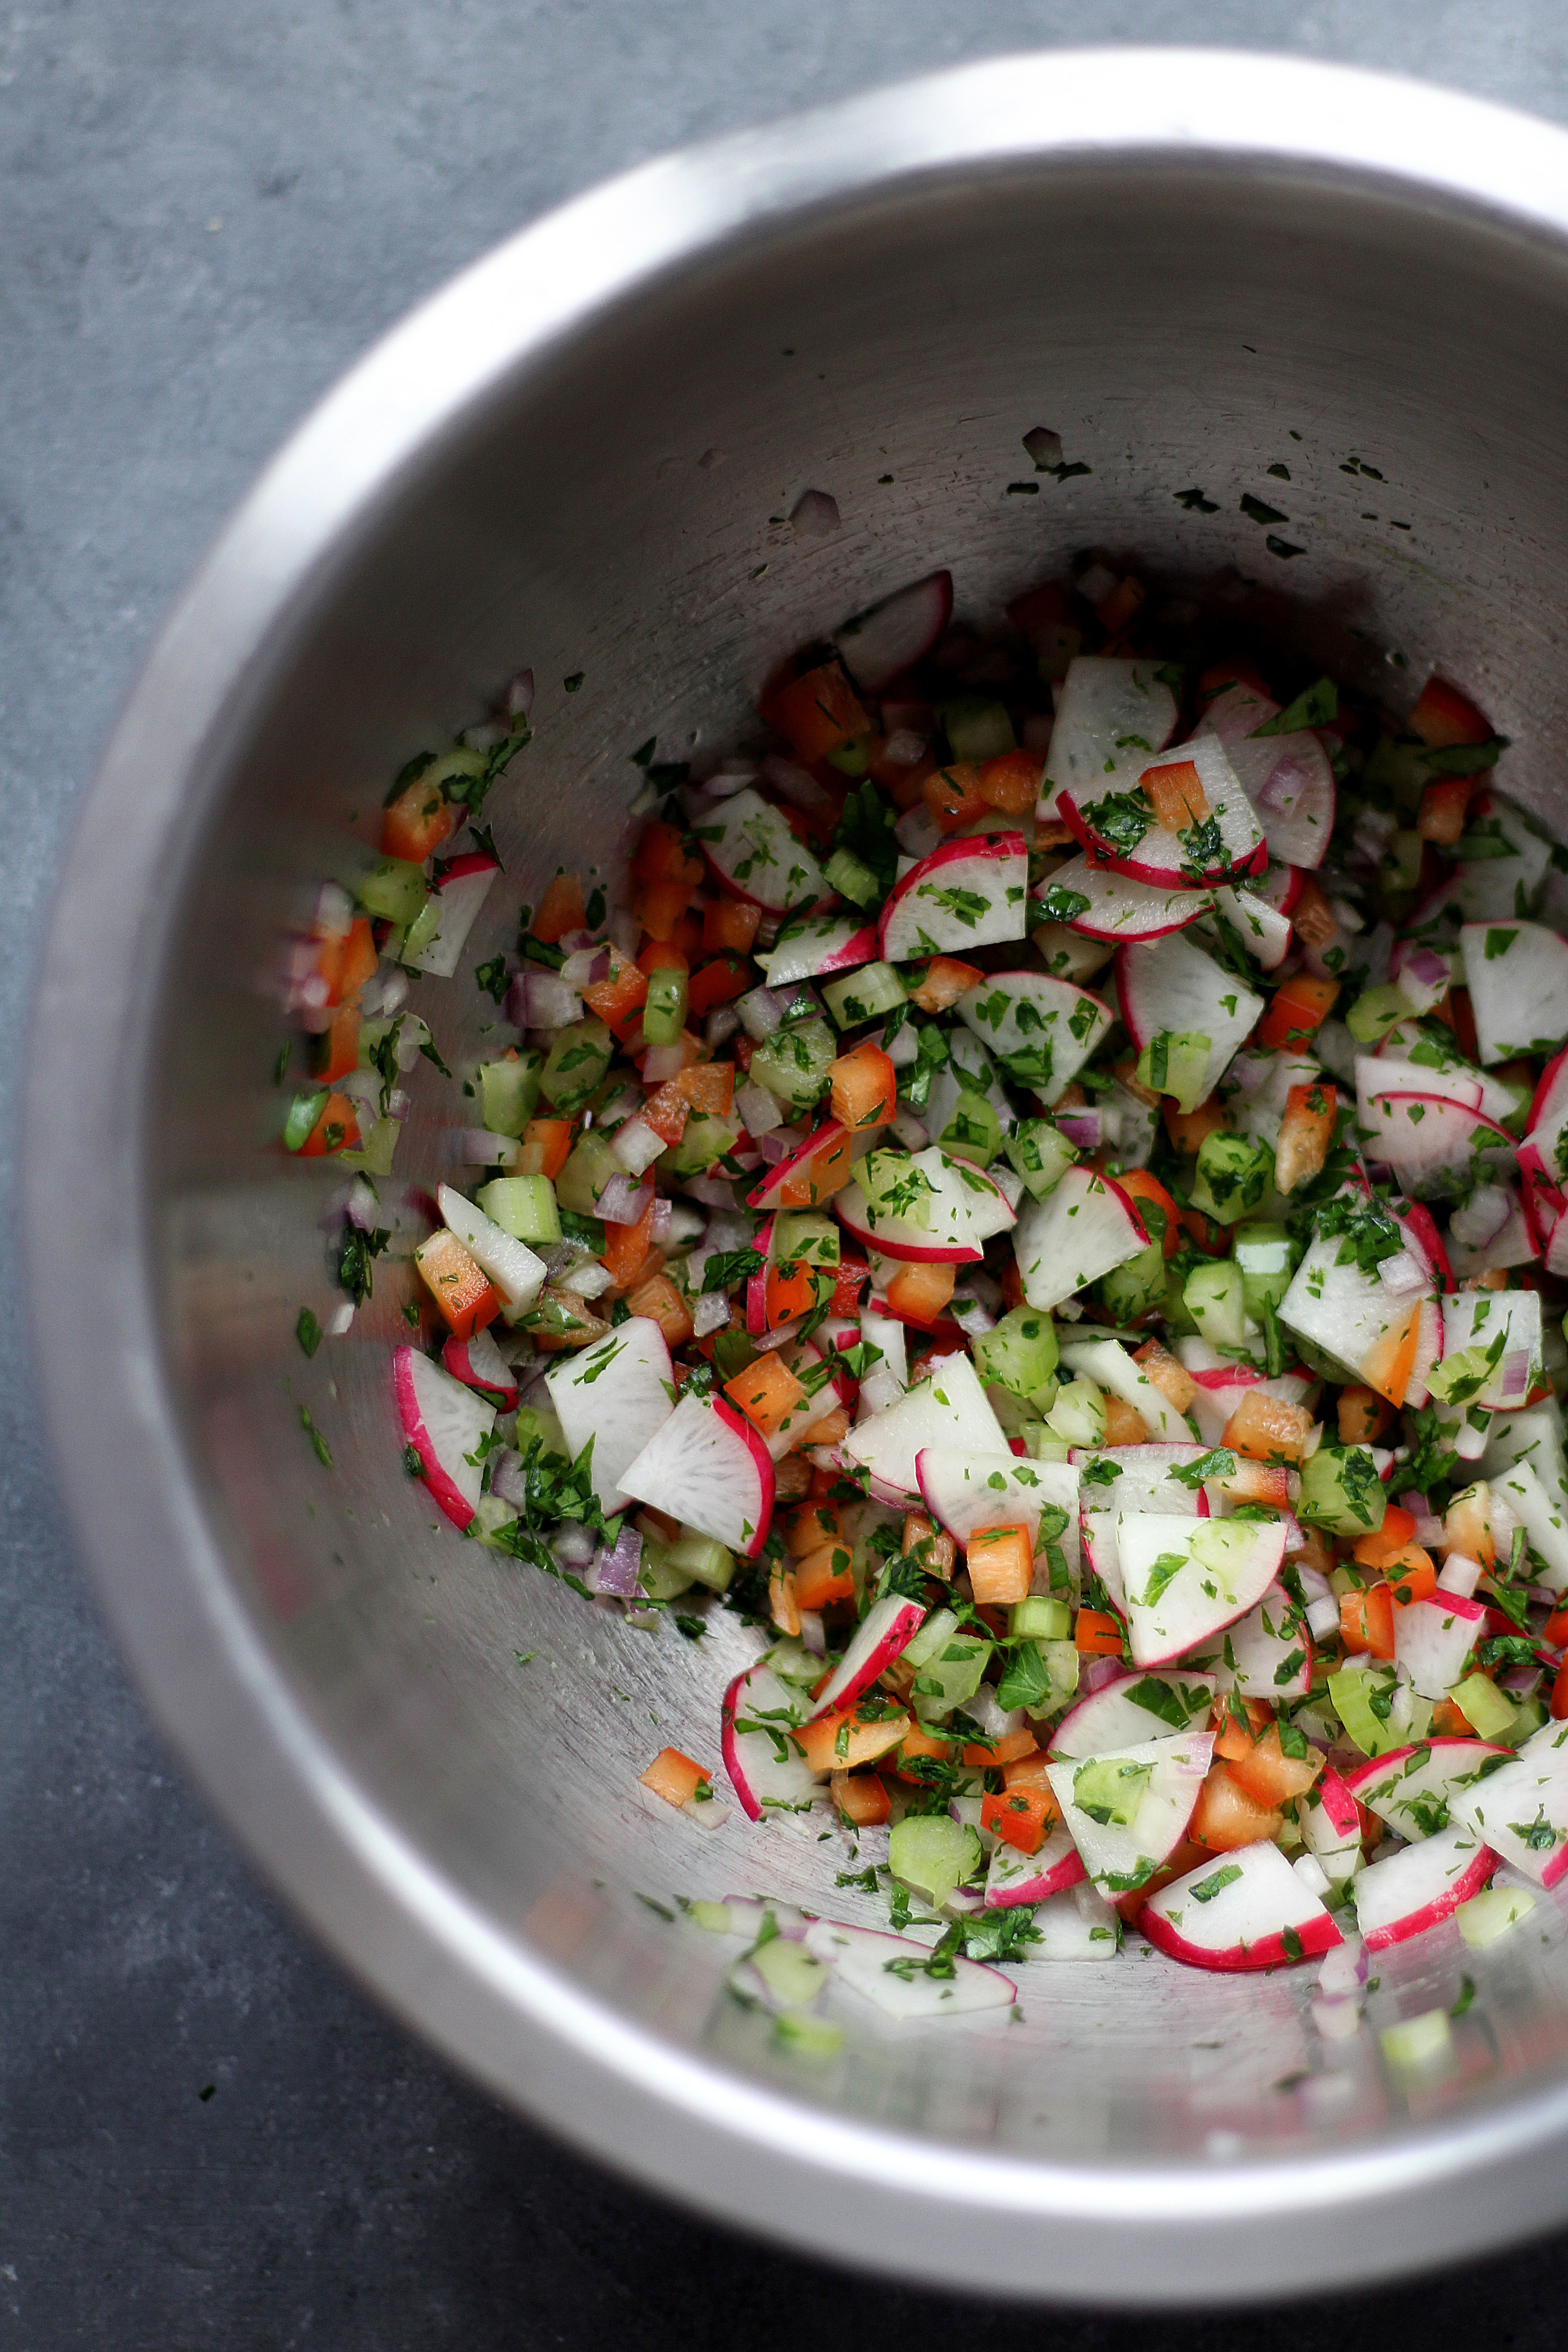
<point>1195,267</point>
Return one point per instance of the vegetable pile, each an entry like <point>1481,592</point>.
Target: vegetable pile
<point>1047,1191</point>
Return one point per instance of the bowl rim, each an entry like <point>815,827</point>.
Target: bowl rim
<point>736,2149</point>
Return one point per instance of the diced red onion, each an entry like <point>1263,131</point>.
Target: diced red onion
<point>1008,1182</point>
<point>747,1161</point>
<point>1427,966</point>
<point>484,737</point>
<point>622,1202</point>
<point>363,1208</point>
<point>397,1104</point>
<point>383,991</point>
<point>758,1111</point>
<point>625,932</point>
<point>720,1025</point>
<point>663,1218</point>
<point>1322,1616</point>
<point>589,1279</point>
<point>1095,1673</point>
<point>812,1633</point>
<point>761,1013</point>
<point>973,1320</point>
<point>552,1001</point>
<point>1480,1219</point>
<point>904,747</point>
<point>1082,1128</point>
<point>776,1145</point>
<point>339,1321</point>
<point>996,1720</point>
<point>711,1191</point>
<point>507,1476</point>
<point>769,1340</point>
<point>334,912</point>
<point>815,515</point>
<point>586,966</point>
<point>1286,780</point>
<point>917,832</point>
<point>711,1312</point>
<point>796,785</point>
<point>1520,1681</point>
<point>1513,1374</point>
<point>911,1132</point>
<point>518,700</point>
<point>730,779</point>
<point>476,1147</point>
<point>662,1063</point>
<point>1043,445</point>
<point>573,1545</point>
<point>1401,1274</point>
<point>617,1571</point>
<point>1460,1574</point>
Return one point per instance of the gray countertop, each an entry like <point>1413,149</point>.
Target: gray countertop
<point>207,2135</point>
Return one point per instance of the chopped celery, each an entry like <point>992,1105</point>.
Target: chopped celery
<point>1109,1789</point>
<point>951,1677</point>
<point>374,1157</point>
<point>788,1970</point>
<point>393,892</point>
<point>793,1063</point>
<point>1039,1619</point>
<point>1362,1696</point>
<point>701,1558</point>
<point>1417,2042</point>
<point>973,1132</point>
<point>1341,1492</point>
<point>977,727</point>
<point>1374,1013</point>
<point>933,1854</point>
<point>1041,1154</point>
<point>586,1174</point>
<point>866,994</point>
<point>1019,1354</point>
<point>703,1144</point>
<point>1234,1173</point>
<point>303,1113</point>
<point>576,1064</point>
<point>808,2036</point>
<point>714,1917</point>
<point>1492,1914</point>
<point>806,1237</point>
<point>1488,1711</point>
<point>658,1576</point>
<point>1215,1298</point>
<point>1078,1414</point>
<point>1267,1258</point>
<point>663,1009</point>
<point>523,1206</point>
<point>509,1091</point>
<point>1131,1289</point>
<point>853,881</point>
<point>421,931</point>
<point>1176,1063</point>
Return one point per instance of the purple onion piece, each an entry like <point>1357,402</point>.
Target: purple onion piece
<point>617,1571</point>
<point>518,700</point>
<point>622,1202</point>
<point>1082,1128</point>
<point>663,1217</point>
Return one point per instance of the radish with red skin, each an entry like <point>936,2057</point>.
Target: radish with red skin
<point>1272,1654</point>
<point>1111,717</point>
<point>818,946</point>
<point>947,1408</point>
<point>1433,1146</point>
<point>1108,1363</point>
<point>964,1490</point>
<point>969,892</point>
<point>708,1467</point>
<point>882,643</point>
<point>1517,973</point>
<point>1171,988</point>
<point>1185,1581</point>
<point>1521,1809</point>
<point>768,1195</point>
<point>1331,1825</point>
<point>1288,778</point>
<point>1041,1031</point>
<point>1265,933</point>
<point>1012,1877</point>
<point>445,1422</point>
<point>1414,1888</point>
<point>462,889</point>
<point>1121,1855</point>
<point>1433,1638</point>
<point>512,1266</point>
<point>758,1775</point>
<point>1244,1909</point>
<point>882,1636</point>
<point>874,1964</point>
<point>928,1208</point>
<point>1104,814</point>
<point>1085,1228</point>
<point>1127,1709</point>
<point>478,1363</point>
<point>617,1392</point>
<point>754,855</point>
<point>1411,1788</point>
<point>1119,907</point>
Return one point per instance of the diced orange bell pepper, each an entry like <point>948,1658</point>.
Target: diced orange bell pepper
<point>1554,1633</point>
<point>659,907</point>
<point>462,1290</point>
<point>1238,671</point>
<point>1268,1483</point>
<point>545,1148</point>
<point>730,926</point>
<point>719,981</point>
<point>1389,1362</point>
<point>810,1526</point>
<point>626,1247</point>
<point>675,1777</point>
<point>1411,1576</point>
<point>1444,805</point>
<point>1124,1424</point>
<point>1017,1816</point>
<point>938,1553</point>
<point>1177,794</point>
<point>817,712</point>
<point>920,1293</point>
<point>1296,1011</point>
<point>1116,611</point>
<point>1364,1416</point>
<point>1010,782</point>
<point>346,960</point>
<point>1236,1738</point>
<point>660,854</point>
<point>1559,1694</point>
<point>617,996</point>
<point>667,1112</point>
<point>767,1392</point>
<point>1225,1817</point>
<point>848,1280</point>
<point>1367,1622</point>
<point>1270,1777</point>
<point>560,910</point>
<point>1003,1748</point>
<point>708,1086</point>
<point>945,981</point>
<point>1188,1129</point>
<point>417,823</point>
<point>336,1130</point>
<point>1312,917</point>
<point>952,796</point>
<point>1377,1550</point>
<point>864,1088</point>
<point>788,1291</point>
<point>917,1745</point>
<point>1466,1526</point>
<point>783,1607</point>
<point>661,1303</point>
<point>1267,1429</point>
<point>840,1741</point>
<point>861,1799</point>
<point>335,1051</point>
<point>1148,1192</point>
<point>819,1177</point>
<point>1306,1131</point>
<point>1443,716</point>
<point>824,1577</point>
<point>1166,1373</point>
<point>1097,1634</point>
<point>660,955</point>
<point>1001,1565</point>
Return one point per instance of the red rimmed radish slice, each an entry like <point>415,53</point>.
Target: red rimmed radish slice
<point>1115,817</point>
<point>1263,930</point>
<point>461,891</point>
<point>817,945</point>
<point>1281,886</point>
<point>754,853</point>
<point>617,1393</point>
<point>1085,1228</point>
<point>446,1423</point>
<point>1387,1074</point>
<point>1078,1926</point>
<point>924,1206</point>
<point>890,1971</point>
<point>1112,716</point>
<point>1411,1788</point>
<point>964,1490</point>
<point>879,646</point>
<point>1104,905</point>
<point>756,1722</point>
<point>1521,1809</point>
<point>1127,1811</point>
<point>1517,973</point>
<point>1415,1887</point>
<point>708,1467</point>
<point>478,1363</point>
<point>883,1634</point>
<point>1542,1194</point>
<point>1271,1650</point>
<point>511,1264</point>
<point>1432,1640</point>
<point>1132,1707</point>
<point>947,1408</point>
<point>815,1171</point>
<point>1141,1479</point>
<point>1289,779</point>
<point>1549,1105</point>
<point>968,893</point>
<point>1013,1877</point>
<point>1171,988</point>
<point>1187,1579</point>
<point>1435,1147</point>
<point>1353,1317</point>
<point>1040,1031</point>
<point>1331,1825</point>
<point>1245,1909</point>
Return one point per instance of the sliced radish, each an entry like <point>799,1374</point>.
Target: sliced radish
<point>1544,1521</point>
<point>1269,1652</point>
<point>765,1766</point>
<point>1411,1788</point>
<point>1260,1086</point>
<point>1104,905</point>
<point>891,1971</point>
<point>1083,1229</point>
<point>617,1392</point>
<point>1416,1886</point>
<point>1218,1392</point>
<point>968,893</point>
<point>1499,1334</point>
<point>1141,1479</point>
<point>707,1467</point>
<point>1113,817</point>
<point>1418,1062</point>
<point>1289,779</point>
<point>1245,1909</point>
<point>1187,1580</point>
<point>1331,1825</point>
<point>1171,988</point>
<point>1078,1926</point>
<point>446,1423</point>
<point>478,1363</point>
<point>1521,1809</point>
<point>1157,1782</point>
<point>816,945</point>
<point>1385,1073</point>
<point>1108,1365</point>
<point>879,646</point>
<point>1345,1313</point>
<point>1435,1147</point>
<point>1127,1709</point>
<point>797,1168</point>
<point>963,1491</point>
<point>1042,1031</point>
<point>1111,717</point>
<point>948,1409</point>
<point>1263,930</point>
<point>883,1635</point>
<point>925,1206</point>
<point>461,888</point>
<point>1517,973</point>
<point>511,1264</point>
<point>1013,1877</point>
<point>755,857</point>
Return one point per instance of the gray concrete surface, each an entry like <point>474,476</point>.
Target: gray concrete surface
<point>207,2137</point>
